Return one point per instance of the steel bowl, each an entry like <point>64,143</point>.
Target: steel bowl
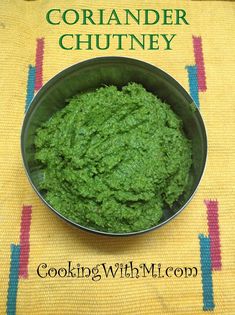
<point>94,73</point>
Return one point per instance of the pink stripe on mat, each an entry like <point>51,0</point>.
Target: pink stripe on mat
<point>39,63</point>
<point>199,60</point>
<point>213,227</point>
<point>24,240</point>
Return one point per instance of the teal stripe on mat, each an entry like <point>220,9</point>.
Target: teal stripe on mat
<point>13,279</point>
<point>207,284</point>
<point>193,83</point>
<point>30,87</point>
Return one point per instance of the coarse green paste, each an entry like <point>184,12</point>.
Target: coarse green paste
<point>113,159</point>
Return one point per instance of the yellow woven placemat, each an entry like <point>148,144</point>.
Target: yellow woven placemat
<point>201,236</point>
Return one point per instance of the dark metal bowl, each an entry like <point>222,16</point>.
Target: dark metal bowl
<point>94,73</point>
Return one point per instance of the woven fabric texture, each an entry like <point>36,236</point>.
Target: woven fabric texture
<point>202,60</point>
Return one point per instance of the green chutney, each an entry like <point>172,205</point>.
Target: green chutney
<point>113,159</point>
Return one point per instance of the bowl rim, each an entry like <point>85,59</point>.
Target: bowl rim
<point>70,69</point>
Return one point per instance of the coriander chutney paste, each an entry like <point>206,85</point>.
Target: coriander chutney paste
<point>113,159</point>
